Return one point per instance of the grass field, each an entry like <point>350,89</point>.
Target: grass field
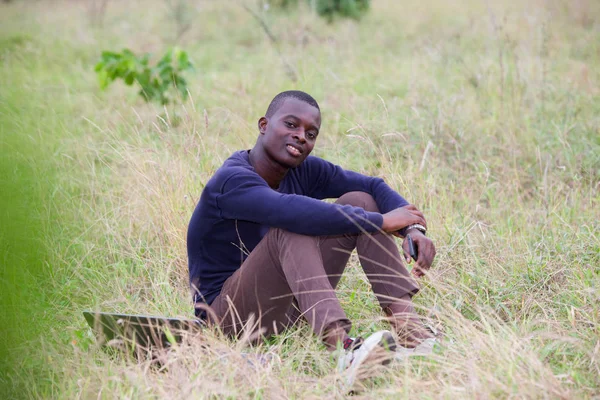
<point>486,115</point>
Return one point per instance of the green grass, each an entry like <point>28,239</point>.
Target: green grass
<point>485,115</point>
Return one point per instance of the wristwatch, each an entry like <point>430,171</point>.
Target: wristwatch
<point>418,227</point>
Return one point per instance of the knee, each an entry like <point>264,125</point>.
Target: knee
<point>359,199</point>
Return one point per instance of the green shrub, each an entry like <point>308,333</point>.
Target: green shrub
<point>342,8</point>
<point>330,9</point>
<point>158,82</point>
<point>282,3</point>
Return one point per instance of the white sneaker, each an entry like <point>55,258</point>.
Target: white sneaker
<point>424,348</point>
<point>378,348</point>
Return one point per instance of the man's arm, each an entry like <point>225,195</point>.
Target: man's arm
<point>246,196</point>
<point>333,181</point>
<point>327,180</point>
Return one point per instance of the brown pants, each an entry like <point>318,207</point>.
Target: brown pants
<point>288,272</point>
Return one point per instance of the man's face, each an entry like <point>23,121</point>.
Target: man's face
<point>290,134</point>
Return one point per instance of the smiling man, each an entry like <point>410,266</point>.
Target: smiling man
<point>264,249</point>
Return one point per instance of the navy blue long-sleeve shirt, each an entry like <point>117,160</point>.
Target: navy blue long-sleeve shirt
<point>237,207</point>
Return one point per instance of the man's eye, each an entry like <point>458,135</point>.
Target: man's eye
<point>311,135</point>
<point>290,124</point>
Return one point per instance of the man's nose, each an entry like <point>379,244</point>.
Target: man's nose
<point>300,135</point>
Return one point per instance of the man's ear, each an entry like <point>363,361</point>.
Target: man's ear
<point>262,125</point>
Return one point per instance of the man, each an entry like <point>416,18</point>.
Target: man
<point>263,247</point>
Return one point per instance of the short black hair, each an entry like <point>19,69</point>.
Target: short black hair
<point>283,96</point>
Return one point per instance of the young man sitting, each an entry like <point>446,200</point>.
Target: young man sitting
<point>264,247</point>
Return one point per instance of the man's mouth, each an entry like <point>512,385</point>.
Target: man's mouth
<point>293,150</point>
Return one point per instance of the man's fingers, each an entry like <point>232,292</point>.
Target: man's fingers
<point>405,251</point>
<point>419,218</point>
<point>421,259</point>
<point>418,272</point>
<point>422,262</point>
<point>418,213</point>
<point>431,253</point>
<point>426,253</point>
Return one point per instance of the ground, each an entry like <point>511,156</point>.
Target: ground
<point>483,114</point>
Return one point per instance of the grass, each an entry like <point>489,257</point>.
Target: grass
<point>483,114</point>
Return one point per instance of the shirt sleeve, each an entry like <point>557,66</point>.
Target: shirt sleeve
<point>246,196</point>
<point>328,180</point>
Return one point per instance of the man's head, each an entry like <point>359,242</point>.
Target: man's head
<point>290,127</point>
<point>290,94</point>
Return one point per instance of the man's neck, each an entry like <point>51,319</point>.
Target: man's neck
<point>268,169</point>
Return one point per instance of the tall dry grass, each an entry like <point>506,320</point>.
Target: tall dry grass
<point>483,114</point>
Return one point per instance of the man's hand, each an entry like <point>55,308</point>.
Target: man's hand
<point>402,217</point>
<point>426,251</point>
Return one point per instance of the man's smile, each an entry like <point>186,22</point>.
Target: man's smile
<point>294,150</point>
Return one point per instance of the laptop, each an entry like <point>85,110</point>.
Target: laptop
<point>145,331</point>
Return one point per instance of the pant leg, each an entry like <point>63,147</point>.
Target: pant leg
<point>378,254</point>
<point>284,266</point>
